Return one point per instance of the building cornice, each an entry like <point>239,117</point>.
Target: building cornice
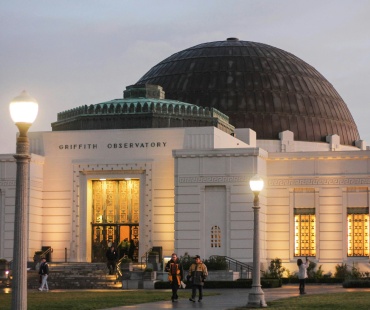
<point>321,181</point>
<point>228,152</point>
<point>322,155</point>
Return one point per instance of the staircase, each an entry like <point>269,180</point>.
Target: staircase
<point>76,276</point>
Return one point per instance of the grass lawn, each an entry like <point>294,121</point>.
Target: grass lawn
<point>335,301</point>
<point>81,300</point>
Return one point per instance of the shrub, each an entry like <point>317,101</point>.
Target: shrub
<point>216,263</point>
<point>341,271</point>
<point>186,261</point>
<point>318,274</point>
<point>275,270</point>
<point>355,272</point>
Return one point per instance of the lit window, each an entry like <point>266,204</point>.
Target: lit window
<point>304,232</point>
<point>215,237</point>
<point>358,231</point>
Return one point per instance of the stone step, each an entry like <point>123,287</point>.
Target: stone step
<point>90,276</point>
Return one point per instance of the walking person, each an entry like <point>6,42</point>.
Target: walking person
<point>197,275</point>
<point>302,274</point>
<point>175,274</point>
<point>111,255</point>
<point>44,273</point>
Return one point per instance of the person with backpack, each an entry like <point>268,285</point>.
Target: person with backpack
<point>44,273</point>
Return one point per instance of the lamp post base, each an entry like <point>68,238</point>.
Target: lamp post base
<point>256,298</point>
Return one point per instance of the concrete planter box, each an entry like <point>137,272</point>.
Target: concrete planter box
<point>127,267</point>
<point>223,275</point>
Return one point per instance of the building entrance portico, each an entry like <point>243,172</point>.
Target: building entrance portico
<point>115,205</point>
<point>124,236</point>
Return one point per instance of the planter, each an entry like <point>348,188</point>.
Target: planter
<point>127,266</point>
<point>223,275</point>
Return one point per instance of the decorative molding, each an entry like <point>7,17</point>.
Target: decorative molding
<point>318,181</point>
<point>304,190</point>
<point>7,183</point>
<point>88,169</point>
<point>214,179</point>
<point>357,189</point>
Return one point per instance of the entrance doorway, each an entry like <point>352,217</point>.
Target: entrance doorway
<point>115,212</point>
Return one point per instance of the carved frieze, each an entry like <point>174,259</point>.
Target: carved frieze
<point>318,181</point>
<point>214,179</point>
<point>7,183</point>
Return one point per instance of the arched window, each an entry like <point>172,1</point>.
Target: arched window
<point>215,237</point>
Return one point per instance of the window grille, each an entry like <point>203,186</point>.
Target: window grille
<point>358,231</point>
<point>305,232</point>
<point>215,237</point>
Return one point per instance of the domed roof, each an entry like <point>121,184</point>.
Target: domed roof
<point>259,87</point>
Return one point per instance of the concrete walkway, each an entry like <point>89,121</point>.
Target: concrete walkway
<point>233,298</point>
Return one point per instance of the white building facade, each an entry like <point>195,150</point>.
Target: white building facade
<point>171,174</point>
<point>192,196</point>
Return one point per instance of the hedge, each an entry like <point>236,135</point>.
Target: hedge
<point>311,280</point>
<point>356,283</point>
<point>241,283</point>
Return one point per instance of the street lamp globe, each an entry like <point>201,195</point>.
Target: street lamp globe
<point>23,109</point>
<point>256,183</point>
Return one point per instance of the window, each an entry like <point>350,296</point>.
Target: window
<point>304,234</point>
<point>358,231</point>
<point>215,237</point>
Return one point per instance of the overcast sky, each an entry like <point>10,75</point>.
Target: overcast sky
<point>71,53</point>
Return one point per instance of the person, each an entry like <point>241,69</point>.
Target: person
<point>302,274</point>
<point>175,274</point>
<point>111,255</point>
<point>123,248</point>
<point>131,250</point>
<point>197,275</point>
<point>44,273</point>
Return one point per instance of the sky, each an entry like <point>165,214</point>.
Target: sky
<point>71,53</point>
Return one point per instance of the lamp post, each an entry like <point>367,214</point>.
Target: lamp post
<point>23,110</point>
<point>256,297</point>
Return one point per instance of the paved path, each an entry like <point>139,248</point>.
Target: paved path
<point>232,298</point>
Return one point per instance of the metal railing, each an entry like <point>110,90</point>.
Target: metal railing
<point>49,250</point>
<point>145,257</point>
<point>235,265</point>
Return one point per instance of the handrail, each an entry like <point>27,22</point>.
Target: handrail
<point>49,250</point>
<point>146,254</point>
<point>118,268</point>
<point>237,266</point>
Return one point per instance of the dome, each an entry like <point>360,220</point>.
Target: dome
<point>257,86</point>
